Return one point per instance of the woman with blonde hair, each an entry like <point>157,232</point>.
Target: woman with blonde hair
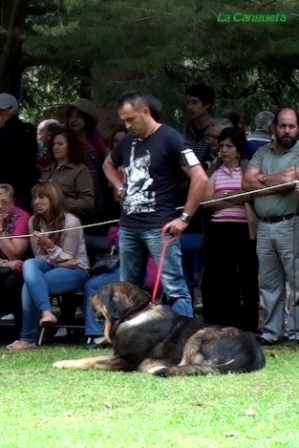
<point>60,264</point>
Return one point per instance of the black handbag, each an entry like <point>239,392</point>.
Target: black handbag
<point>105,265</point>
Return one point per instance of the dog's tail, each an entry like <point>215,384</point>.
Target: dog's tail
<point>186,369</point>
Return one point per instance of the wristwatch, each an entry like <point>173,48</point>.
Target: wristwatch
<point>120,191</point>
<point>185,217</point>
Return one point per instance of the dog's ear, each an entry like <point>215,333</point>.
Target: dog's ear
<point>110,299</point>
<point>121,299</point>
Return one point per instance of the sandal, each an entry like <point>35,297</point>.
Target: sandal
<point>48,319</point>
<point>21,345</point>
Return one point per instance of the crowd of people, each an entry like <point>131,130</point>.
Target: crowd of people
<point>66,176</point>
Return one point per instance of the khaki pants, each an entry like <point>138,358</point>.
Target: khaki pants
<point>278,253</point>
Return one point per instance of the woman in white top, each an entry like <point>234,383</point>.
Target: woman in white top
<point>60,264</point>
<point>230,280</point>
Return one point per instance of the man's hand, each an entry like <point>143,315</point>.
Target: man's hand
<point>73,263</point>
<point>43,240</point>
<point>289,175</point>
<point>175,227</point>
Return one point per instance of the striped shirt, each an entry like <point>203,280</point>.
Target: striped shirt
<point>229,181</point>
<point>198,140</point>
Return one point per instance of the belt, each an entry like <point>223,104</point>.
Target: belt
<point>273,219</point>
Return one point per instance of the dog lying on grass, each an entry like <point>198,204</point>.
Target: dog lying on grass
<point>156,340</point>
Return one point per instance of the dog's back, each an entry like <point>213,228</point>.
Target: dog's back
<point>147,333</point>
<point>228,350</point>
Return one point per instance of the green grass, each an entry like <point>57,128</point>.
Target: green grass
<point>42,407</point>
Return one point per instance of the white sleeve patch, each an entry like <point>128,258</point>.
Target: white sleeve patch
<point>189,158</point>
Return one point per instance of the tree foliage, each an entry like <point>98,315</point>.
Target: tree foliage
<point>99,48</point>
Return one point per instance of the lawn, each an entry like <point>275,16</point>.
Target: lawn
<point>42,407</point>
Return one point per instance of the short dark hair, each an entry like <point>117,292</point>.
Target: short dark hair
<point>132,97</point>
<point>237,136</point>
<point>202,91</point>
<point>275,119</point>
<point>135,98</point>
<point>76,149</point>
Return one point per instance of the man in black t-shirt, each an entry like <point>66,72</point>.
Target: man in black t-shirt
<point>152,156</point>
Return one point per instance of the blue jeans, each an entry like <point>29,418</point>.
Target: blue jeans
<point>41,280</point>
<point>135,245</point>
<point>94,286</point>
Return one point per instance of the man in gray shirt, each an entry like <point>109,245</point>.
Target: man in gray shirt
<point>278,230</point>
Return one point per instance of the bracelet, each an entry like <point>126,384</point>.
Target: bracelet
<point>185,217</point>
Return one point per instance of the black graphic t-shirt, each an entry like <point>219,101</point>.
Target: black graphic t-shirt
<point>152,170</point>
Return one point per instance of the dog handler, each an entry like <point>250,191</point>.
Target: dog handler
<point>152,155</point>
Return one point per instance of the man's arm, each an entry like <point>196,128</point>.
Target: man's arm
<point>254,179</point>
<point>196,192</point>
<point>112,173</point>
<point>197,188</point>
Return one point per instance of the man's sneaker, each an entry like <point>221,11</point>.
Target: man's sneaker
<point>264,343</point>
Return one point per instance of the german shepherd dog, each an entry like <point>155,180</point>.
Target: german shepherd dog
<point>156,340</point>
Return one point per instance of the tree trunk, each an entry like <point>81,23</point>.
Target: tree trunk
<point>11,41</point>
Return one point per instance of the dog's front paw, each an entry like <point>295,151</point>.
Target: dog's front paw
<point>73,364</point>
<point>162,371</point>
<point>61,364</point>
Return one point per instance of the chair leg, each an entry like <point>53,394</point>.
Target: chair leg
<point>41,336</point>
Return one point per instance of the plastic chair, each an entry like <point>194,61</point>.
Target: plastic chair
<point>67,304</point>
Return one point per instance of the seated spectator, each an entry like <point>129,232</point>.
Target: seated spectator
<point>94,331</point>
<point>70,173</point>
<point>13,222</point>
<point>262,133</point>
<point>60,264</point>
<point>82,119</point>
<point>97,244</point>
<point>230,279</point>
<point>45,131</point>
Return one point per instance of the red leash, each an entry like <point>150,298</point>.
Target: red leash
<point>166,244</point>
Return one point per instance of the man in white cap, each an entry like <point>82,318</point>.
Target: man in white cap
<point>18,151</point>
